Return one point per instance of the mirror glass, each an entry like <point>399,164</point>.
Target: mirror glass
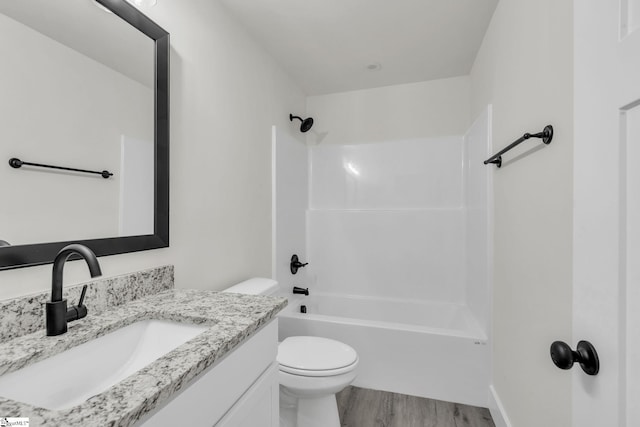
<point>84,85</point>
<point>77,91</point>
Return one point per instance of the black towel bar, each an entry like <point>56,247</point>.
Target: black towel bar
<point>546,135</point>
<point>17,163</point>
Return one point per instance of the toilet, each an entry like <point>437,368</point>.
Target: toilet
<point>311,370</point>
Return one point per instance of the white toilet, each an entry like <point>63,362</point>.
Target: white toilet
<point>312,370</point>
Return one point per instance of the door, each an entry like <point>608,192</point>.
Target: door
<point>606,267</point>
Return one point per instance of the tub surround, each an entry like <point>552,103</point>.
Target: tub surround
<point>232,319</point>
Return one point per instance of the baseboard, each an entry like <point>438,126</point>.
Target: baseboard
<point>498,413</point>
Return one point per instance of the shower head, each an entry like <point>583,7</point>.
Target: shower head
<point>306,123</point>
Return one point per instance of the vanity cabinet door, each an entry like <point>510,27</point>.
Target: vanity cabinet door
<point>258,407</point>
<point>244,382</point>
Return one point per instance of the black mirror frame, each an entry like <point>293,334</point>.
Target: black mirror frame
<point>44,253</point>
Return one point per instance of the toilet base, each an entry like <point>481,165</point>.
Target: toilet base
<point>288,409</point>
<point>318,412</point>
<point>321,411</point>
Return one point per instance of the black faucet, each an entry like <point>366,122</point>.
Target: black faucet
<point>300,291</point>
<point>57,313</point>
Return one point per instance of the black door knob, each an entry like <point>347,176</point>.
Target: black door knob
<point>585,354</point>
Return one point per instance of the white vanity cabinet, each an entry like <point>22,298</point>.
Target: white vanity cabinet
<point>241,390</point>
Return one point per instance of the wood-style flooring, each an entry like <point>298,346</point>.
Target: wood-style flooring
<point>360,407</point>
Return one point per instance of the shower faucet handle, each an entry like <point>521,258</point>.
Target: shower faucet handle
<point>296,264</point>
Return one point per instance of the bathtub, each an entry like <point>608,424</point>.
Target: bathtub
<point>411,347</point>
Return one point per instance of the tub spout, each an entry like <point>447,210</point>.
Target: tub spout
<point>300,291</point>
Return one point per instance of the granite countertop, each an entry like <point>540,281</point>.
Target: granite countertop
<point>232,319</point>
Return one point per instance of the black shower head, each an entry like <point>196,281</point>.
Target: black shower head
<point>306,123</point>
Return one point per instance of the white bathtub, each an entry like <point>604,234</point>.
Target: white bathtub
<point>410,347</point>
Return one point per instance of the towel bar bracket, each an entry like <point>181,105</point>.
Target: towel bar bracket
<point>547,134</point>
<point>497,161</point>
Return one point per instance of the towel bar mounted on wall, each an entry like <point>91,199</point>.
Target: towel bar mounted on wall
<point>546,135</point>
<point>17,163</point>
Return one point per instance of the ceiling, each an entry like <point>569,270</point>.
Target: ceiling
<point>327,45</point>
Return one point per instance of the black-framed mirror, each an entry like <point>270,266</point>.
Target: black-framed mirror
<point>22,255</point>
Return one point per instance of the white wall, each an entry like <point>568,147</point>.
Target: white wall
<point>290,198</point>
<point>415,110</point>
<point>478,218</point>
<point>524,68</point>
<point>136,186</point>
<point>226,93</point>
<point>62,108</point>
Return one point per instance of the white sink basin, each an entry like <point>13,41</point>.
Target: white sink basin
<point>73,376</point>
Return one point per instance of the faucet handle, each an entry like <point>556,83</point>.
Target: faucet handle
<point>84,292</point>
<point>295,264</point>
<point>79,311</point>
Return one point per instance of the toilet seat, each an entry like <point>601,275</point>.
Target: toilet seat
<point>319,373</point>
<point>316,357</point>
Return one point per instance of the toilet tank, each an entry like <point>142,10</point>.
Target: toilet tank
<point>255,286</point>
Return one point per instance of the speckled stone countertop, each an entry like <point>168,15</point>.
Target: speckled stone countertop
<point>232,319</point>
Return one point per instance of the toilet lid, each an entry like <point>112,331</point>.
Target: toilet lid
<point>315,354</point>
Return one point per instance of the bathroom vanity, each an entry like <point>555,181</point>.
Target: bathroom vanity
<point>240,390</point>
<point>225,375</point>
